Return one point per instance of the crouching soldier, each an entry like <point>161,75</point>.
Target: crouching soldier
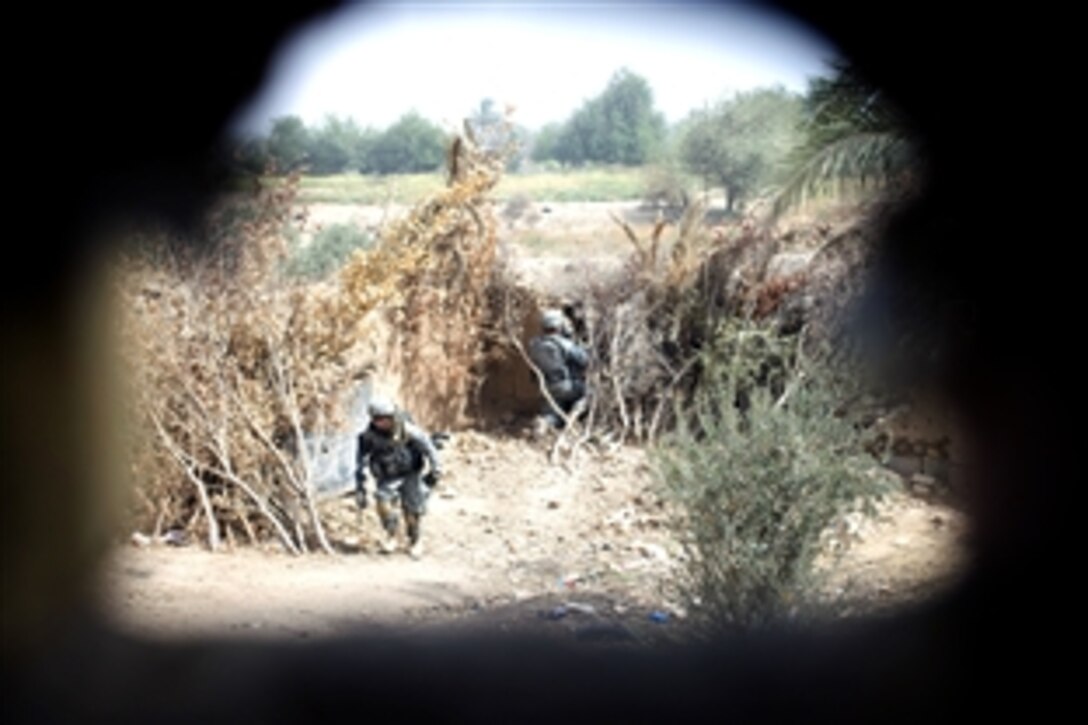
<point>393,449</point>
<point>562,363</point>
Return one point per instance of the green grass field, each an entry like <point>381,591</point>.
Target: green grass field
<point>599,184</point>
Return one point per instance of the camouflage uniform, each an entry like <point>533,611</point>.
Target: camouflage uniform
<point>563,364</point>
<point>395,458</point>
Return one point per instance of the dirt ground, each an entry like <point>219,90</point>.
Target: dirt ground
<point>513,541</point>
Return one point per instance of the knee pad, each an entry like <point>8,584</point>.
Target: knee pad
<point>388,514</point>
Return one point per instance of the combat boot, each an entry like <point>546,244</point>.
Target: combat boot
<point>415,546</point>
<point>541,428</point>
<point>388,542</point>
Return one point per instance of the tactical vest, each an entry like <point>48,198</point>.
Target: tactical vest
<point>392,455</point>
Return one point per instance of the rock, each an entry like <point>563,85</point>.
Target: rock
<point>553,504</point>
<point>923,483</point>
<point>652,551</point>
<point>555,613</point>
<point>905,466</point>
<point>140,540</point>
<point>784,265</point>
<point>678,611</point>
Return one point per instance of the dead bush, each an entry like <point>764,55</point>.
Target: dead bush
<point>235,366</point>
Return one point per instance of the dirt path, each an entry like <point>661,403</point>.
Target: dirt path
<point>510,538</point>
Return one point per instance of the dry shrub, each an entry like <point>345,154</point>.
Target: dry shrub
<point>236,367</point>
<point>444,298</point>
<point>649,326</point>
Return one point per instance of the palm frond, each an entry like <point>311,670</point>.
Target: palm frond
<point>856,161</point>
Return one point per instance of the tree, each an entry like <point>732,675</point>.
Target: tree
<point>620,126</point>
<point>489,127</point>
<point>546,143</point>
<point>412,144</point>
<point>333,147</point>
<point>853,136</point>
<point>632,130</point>
<point>250,155</point>
<point>845,104</point>
<point>743,142</point>
<point>363,148</point>
<point>288,143</point>
<point>496,134</point>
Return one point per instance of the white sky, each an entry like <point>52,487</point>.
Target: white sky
<point>375,61</point>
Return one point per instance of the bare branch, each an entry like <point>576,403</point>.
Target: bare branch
<point>202,491</point>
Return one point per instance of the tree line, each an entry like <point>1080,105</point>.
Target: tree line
<point>741,144</point>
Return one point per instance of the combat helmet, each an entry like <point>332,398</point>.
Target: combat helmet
<point>381,408</point>
<point>552,320</point>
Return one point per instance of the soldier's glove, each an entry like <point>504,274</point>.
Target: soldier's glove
<point>431,479</point>
<point>360,497</point>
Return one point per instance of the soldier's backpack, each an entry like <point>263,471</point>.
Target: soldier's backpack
<point>548,355</point>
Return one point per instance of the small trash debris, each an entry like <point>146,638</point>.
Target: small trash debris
<point>174,537</point>
<point>581,608</point>
<point>659,617</point>
<point>555,613</point>
<point>569,581</point>
<point>140,540</point>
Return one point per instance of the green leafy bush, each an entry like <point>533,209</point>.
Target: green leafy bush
<point>328,251</point>
<point>761,465</point>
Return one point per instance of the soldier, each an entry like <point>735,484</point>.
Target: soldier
<point>393,449</point>
<point>563,364</point>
